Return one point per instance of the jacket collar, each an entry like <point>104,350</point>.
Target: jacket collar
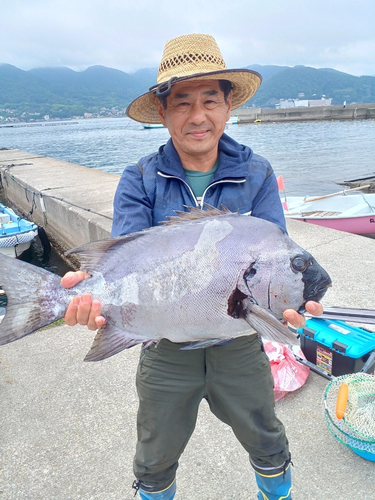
<point>233,160</point>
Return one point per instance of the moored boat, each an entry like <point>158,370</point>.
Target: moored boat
<point>366,184</point>
<point>16,233</point>
<point>353,213</point>
<point>153,125</point>
<point>233,120</point>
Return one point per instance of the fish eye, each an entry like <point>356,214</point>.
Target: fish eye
<point>300,264</point>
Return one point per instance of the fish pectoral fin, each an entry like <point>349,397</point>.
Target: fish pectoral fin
<point>266,324</point>
<point>109,341</point>
<point>202,344</point>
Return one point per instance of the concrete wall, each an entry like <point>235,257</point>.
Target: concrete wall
<point>77,200</point>
<point>352,112</point>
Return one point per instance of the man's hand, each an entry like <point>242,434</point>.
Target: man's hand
<point>83,309</point>
<point>299,321</point>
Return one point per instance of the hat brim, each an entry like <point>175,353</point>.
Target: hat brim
<point>244,81</point>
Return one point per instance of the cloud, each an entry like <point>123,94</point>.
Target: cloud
<point>131,35</point>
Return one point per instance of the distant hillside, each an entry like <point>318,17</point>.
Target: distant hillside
<point>266,71</point>
<point>288,83</point>
<point>63,93</point>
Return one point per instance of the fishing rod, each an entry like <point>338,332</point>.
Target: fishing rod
<point>350,314</point>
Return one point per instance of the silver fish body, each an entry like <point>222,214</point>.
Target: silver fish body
<point>207,279</point>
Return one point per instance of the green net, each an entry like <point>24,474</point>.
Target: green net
<point>357,428</point>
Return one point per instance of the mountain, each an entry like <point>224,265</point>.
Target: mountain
<point>18,86</point>
<point>266,71</point>
<point>288,83</point>
<point>63,93</point>
<point>97,86</point>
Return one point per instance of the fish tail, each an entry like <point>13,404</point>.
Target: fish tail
<point>35,298</point>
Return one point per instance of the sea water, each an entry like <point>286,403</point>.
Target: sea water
<point>312,156</point>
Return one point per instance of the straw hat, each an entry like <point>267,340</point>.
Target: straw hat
<point>193,57</point>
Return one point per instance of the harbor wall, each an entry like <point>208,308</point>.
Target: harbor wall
<point>72,203</point>
<point>351,112</point>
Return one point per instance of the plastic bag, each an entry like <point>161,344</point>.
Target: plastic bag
<point>288,374</point>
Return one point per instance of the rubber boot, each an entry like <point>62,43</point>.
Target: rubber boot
<point>277,486</point>
<point>166,494</point>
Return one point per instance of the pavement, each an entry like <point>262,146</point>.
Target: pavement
<point>68,428</point>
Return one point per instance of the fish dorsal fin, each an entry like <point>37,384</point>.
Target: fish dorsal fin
<point>90,255</point>
<point>195,213</point>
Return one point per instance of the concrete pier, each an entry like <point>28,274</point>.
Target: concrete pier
<point>72,203</point>
<point>68,428</point>
<point>351,112</point>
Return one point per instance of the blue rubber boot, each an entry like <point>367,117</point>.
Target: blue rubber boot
<point>277,486</point>
<point>166,494</point>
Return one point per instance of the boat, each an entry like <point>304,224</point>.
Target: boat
<point>352,212</point>
<point>233,120</point>
<point>153,125</point>
<point>16,233</point>
<point>367,183</point>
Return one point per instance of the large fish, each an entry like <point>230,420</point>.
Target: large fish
<point>203,278</point>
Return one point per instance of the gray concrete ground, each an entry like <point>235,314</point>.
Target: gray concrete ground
<point>68,427</point>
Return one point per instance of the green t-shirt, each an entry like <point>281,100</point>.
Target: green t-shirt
<point>200,180</point>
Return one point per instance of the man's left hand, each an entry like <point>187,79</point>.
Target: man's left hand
<point>298,320</point>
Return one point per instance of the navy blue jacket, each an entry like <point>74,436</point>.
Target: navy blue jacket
<point>157,186</point>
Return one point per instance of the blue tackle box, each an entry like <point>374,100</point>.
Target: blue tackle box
<point>335,347</point>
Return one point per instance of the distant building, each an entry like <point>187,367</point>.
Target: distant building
<point>321,102</point>
<point>299,103</point>
<point>303,103</point>
<point>285,103</point>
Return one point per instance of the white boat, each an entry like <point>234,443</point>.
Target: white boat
<point>233,120</point>
<point>153,125</point>
<point>353,213</point>
<point>16,233</point>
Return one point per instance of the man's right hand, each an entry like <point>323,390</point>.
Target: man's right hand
<point>83,309</point>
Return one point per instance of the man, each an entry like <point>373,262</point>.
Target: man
<point>200,164</point>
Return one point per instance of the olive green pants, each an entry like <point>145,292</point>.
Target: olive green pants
<point>234,378</point>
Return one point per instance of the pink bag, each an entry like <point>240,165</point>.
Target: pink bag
<point>288,374</point>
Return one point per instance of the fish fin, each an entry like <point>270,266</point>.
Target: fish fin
<point>202,344</point>
<point>109,341</point>
<point>90,255</point>
<point>148,344</point>
<point>267,325</point>
<point>195,213</point>
<point>26,287</point>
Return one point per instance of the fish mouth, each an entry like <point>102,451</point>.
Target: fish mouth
<point>315,292</point>
<point>317,281</point>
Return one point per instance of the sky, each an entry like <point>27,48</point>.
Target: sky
<point>130,34</point>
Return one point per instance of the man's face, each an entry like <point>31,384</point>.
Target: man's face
<point>195,117</point>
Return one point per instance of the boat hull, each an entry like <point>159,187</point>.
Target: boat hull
<point>16,250</point>
<point>353,213</point>
<point>356,225</point>
<point>16,234</point>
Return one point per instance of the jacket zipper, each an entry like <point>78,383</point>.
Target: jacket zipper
<point>219,182</point>
<point>199,205</point>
